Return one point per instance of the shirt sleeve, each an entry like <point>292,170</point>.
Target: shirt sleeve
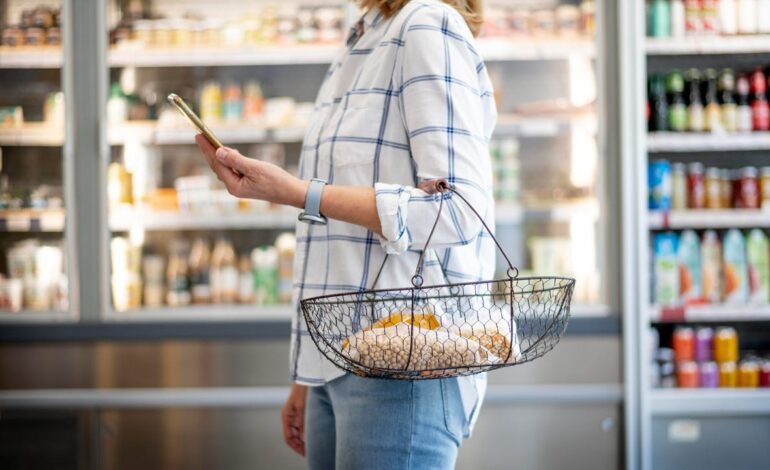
<point>446,108</point>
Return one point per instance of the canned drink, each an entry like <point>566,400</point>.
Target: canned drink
<point>726,345</point>
<point>764,374</point>
<point>687,374</point>
<point>704,341</point>
<point>728,375</point>
<point>683,343</point>
<point>659,182</point>
<point>748,374</point>
<point>709,374</point>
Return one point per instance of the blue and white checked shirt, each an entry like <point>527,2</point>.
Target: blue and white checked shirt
<point>409,100</point>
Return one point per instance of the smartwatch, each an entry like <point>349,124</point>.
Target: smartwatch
<point>312,213</point>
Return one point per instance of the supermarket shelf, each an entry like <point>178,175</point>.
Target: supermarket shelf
<point>32,220</point>
<point>150,133</point>
<point>125,219</point>
<point>544,126</point>
<point>709,218</point>
<point>706,142</point>
<point>197,313</point>
<point>274,397</point>
<point>32,134</point>
<point>30,57</point>
<point>703,313</point>
<point>231,322</point>
<point>35,317</point>
<point>709,45</point>
<point>493,50</point>
<point>713,402</point>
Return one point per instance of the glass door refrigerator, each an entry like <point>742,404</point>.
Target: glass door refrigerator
<point>35,167</point>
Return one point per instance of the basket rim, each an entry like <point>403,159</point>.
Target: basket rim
<point>570,281</point>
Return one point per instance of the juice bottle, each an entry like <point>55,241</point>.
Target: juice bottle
<point>736,286</point>
<point>689,267</point>
<point>711,264</point>
<point>211,102</point>
<point>758,257</point>
<point>666,272</point>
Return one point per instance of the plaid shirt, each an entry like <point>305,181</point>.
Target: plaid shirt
<point>409,99</point>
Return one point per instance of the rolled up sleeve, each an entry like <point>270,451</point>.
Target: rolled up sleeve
<point>443,106</point>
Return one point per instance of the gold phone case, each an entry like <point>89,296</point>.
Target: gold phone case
<point>193,119</point>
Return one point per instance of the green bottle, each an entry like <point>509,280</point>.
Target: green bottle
<point>677,109</point>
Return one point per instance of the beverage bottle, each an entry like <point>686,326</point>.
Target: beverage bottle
<point>224,273</point>
<point>747,16</point>
<point>713,119</point>
<point>728,17</point>
<point>200,280</point>
<point>659,19</point>
<point>253,101</point>
<point>728,108</point>
<point>245,281</point>
<point>760,110</point>
<point>711,267</point>
<point>178,293</point>
<point>693,20</point>
<point>658,104</point>
<point>744,111</point>
<point>232,104</point>
<point>677,110</point>
<point>695,115</point>
<point>678,18</point>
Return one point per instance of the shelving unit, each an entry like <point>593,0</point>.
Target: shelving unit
<point>708,45</point>
<point>709,313</point>
<point>125,219</point>
<point>709,218</point>
<point>658,142</point>
<point>32,220</point>
<point>30,57</point>
<point>713,403</point>
<point>35,317</point>
<point>213,312</point>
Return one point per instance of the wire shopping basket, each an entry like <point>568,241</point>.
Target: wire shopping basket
<point>425,332</point>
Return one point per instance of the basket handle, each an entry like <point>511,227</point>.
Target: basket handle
<point>441,185</point>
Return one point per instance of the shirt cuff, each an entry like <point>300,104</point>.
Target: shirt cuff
<point>392,202</point>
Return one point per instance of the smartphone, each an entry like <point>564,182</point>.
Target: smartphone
<point>193,119</point>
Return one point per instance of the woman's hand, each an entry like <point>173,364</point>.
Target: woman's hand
<point>293,418</point>
<point>253,179</point>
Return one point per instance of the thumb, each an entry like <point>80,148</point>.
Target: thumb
<point>233,159</point>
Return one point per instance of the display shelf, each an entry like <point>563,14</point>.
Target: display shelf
<point>32,134</point>
<point>710,402</point>
<point>709,218</point>
<point>709,45</point>
<point>511,125</point>
<point>30,57</point>
<point>706,142</point>
<point>125,219</point>
<point>710,312</point>
<point>493,50</point>
<point>213,312</point>
<point>35,316</point>
<point>32,220</point>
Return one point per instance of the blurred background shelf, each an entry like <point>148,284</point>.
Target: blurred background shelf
<point>36,317</point>
<point>710,312</point>
<point>492,50</point>
<point>126,219</point>
<point>213,312</point>
<point>32,220</point>
<point>709,45</point>
<point>709,218</point>
<point>706,142</point>
<point>30,57</point>
<point>32,134</point>
<point>711,402</point>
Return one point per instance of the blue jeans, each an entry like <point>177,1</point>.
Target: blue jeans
<point>353,423</point>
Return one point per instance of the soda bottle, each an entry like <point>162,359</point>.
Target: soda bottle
<point>658,104</point>
<point>695,116</point>
<point>745,115</point>
<point>199,272</point>
<point>713,119</point>
<point>729,109</point>
<point>677,110</point>
<point>759,106</point>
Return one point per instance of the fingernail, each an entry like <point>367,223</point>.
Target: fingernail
<point>221,153</point>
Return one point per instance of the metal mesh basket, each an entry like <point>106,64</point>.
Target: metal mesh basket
<point>424,332</point>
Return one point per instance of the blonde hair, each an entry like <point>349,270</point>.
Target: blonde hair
<point>471,10</point>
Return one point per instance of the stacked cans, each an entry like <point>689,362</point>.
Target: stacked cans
<point>706,357</point>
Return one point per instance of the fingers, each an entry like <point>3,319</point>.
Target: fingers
<point>225,174</point>
<point>293,427</point>
<point>233,159</point>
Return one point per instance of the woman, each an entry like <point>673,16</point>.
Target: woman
<point>408,100</point>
